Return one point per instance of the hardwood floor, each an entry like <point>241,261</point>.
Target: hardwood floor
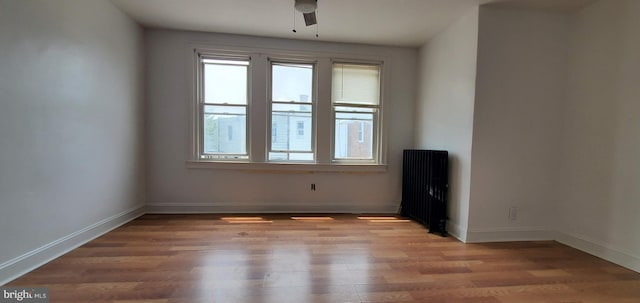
<point>342,258</point>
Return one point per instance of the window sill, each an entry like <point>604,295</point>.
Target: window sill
<point>289,167</point>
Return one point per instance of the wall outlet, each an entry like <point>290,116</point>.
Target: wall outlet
<point>513,213</point>
<point>313,186</point>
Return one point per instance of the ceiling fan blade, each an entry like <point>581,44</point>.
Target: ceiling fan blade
<point>310,18</point>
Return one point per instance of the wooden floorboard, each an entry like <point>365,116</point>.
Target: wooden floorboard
<point>339,258</point>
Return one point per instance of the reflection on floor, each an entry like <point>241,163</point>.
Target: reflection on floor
<point>320,258</point>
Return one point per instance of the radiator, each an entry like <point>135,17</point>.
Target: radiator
<point>424,188</point>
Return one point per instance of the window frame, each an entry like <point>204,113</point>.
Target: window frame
<point>378,136</point>
<point>271,61</point>
<point>201,105</point>
<point>258,121</point>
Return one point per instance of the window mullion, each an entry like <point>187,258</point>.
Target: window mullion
<point>324,113</point>
<point>259,112</point>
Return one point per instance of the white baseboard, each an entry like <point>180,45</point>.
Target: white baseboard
<point>601,250</point>
<point>580,242</point>
<point>507,234</point>
<point>456,231</point>
<point>208,208</point>
<point>29,261</point>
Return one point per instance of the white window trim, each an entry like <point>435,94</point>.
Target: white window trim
<point>289,166</point>
<point>258,131</point>
<point>314,105</point>
<point>197,108</point>
<point>380,138</point>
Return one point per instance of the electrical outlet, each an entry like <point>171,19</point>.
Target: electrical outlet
<point>313,187</point>
<point>513,213</point>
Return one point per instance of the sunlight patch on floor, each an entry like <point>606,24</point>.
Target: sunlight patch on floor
<point>383,219</point>
<point>246,220</point>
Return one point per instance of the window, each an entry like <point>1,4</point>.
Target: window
<point>222,104</point>
<point>263,109</point>
<point>292,94</point>
<point>355,94</point>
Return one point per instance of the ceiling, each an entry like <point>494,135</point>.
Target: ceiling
<point>382,22</point>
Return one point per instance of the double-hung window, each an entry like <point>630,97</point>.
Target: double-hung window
<point>355,93</point>
<point>292,110</point>
<point>223,95</point>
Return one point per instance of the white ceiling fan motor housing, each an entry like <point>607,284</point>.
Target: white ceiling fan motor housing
<point>306,6</point>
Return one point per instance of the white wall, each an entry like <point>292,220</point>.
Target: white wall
<point>444,110</point>
<point>600,205</point>
<point>520,91</point>
<point>70,126</point>
<point>173,187</point>
<point>555,125</point>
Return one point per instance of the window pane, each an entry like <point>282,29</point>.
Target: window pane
<point>224,130</point>
<point>354,136</point>
<point>278,107</point>
<point>278,156</point>
<point>281,156</point>
<point>292,82</point>
<point>353,83</point>
<point>291,131</point>
<point>227,110</point>
<point>225,83</point>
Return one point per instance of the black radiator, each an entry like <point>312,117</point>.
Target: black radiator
<point>424,188</point>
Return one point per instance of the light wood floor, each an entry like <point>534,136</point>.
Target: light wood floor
<point>208,258</point>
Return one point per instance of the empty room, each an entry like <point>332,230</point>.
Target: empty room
<point>320,151</point>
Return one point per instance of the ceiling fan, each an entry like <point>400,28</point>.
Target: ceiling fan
<point>308,9</point>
